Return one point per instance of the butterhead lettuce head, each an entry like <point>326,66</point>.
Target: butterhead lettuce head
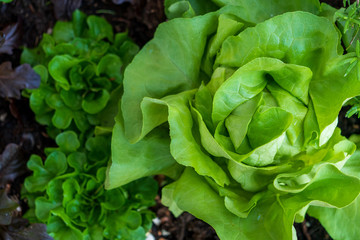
<point>239,106</point>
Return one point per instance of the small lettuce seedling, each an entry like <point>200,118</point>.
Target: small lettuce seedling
<point>80,64</point>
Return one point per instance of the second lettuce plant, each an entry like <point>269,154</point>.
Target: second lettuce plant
<point>81,67</point>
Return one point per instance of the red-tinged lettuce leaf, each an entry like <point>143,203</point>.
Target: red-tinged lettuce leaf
<point>18,231</point>
<point>14,80</point>
<point>64,8</point>
<point>7,207</point>
<point>11,164</point>
<point>10,38</point>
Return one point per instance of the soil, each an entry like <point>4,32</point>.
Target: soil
<point>140,18</point>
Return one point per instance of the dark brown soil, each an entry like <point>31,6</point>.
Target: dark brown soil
<point>140,18</point>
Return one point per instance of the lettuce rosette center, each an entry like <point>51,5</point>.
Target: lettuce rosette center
<point>257,107</point>
<point>242,116</point>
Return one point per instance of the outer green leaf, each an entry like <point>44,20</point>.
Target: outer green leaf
<point>38,100</point>
<point>43,72</point>
<point>132,161</point>
<point>67,141</point>
<point>55,164</point>
<point>176,58</point>
<point>342,223</point>
<point>339,223</point>
<point>33,56</point>
<point>47,44</point>
<point>63,32</point>
<point>78,22</point>
<point>99,28</point>
<point>43,207</point>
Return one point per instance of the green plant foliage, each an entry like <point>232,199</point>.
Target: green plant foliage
<point>81,68</point>
<point>243,116</point>
<point>80,65</point>
<point>70,196</point>
<point>348,21</point>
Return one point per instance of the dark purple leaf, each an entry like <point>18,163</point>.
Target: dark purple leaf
<point>12,164</point>
<point>118,2</point>
<point>20,229</point>
<point>12,81</point>
<point>34,231</point>
<point>7,207</point>
<point>9,38</point>
<point>63,8</point>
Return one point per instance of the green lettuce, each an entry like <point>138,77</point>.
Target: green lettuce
<point>239,107</point>
<point>67,193</point>
<point>81,67</point>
